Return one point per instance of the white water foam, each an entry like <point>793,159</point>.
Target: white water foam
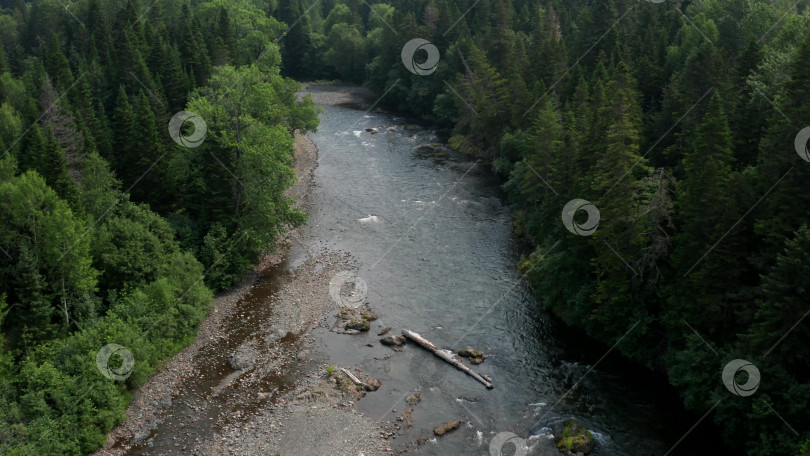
<point>369,219</point>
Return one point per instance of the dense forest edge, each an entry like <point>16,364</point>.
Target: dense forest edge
<point>115,227</point>
<point>677,120</point>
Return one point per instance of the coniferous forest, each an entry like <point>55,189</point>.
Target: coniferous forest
<point>680,123</point>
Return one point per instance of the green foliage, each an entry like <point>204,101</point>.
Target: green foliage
<point>101,213</point>
<point>346,51</point>
<point>250,116</point>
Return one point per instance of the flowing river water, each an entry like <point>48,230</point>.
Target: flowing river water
<point>432,235</point>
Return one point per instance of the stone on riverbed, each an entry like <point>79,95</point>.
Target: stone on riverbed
<point>238,362</point>
<point>243,357</point>
<point>353,321</point>
<point>447,427</point>
<point>475,356</point>
<point>372,384</point>
<point>576,439</point>
<point>393,341</point>
<point>358,325</point>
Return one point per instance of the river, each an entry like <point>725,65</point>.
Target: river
<point>439,259</point>
<point>432,235</point>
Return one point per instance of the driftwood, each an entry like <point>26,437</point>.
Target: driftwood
<point>372,384</point>
<point>448,356</point>
<point>353,378</point>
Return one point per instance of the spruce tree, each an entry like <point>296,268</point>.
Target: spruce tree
<point>125,154</point>
<point>779,159</point>
<point>616,181</point>
<point>34,312</point>
<point>705,211</point>
<point>43,154</point>
<point>57,64</point>
<point>149,150</point>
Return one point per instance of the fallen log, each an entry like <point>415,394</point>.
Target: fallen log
<point>448,356</point>
<point>373,384</point>
<point>353,378</point>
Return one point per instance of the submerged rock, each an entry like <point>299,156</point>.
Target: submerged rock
<point>393,341</point>
<point>447,427</point>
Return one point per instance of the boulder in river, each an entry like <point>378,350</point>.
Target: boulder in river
<point>358,325</point>
<point>278,333</point>
<point>475,356</point>
<point>384,331</point>
<point>447,427</point>
<point>393,341</point>
<point>243,358</point>
<point>576,439</point>
<point>372,384</point>
<point>139,436</point>
<point>239,362</point>
<point>353,321</point>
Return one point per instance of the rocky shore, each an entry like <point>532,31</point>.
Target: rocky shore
<point>306,406</point>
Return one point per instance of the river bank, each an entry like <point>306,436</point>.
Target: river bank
<point>276,395</point>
